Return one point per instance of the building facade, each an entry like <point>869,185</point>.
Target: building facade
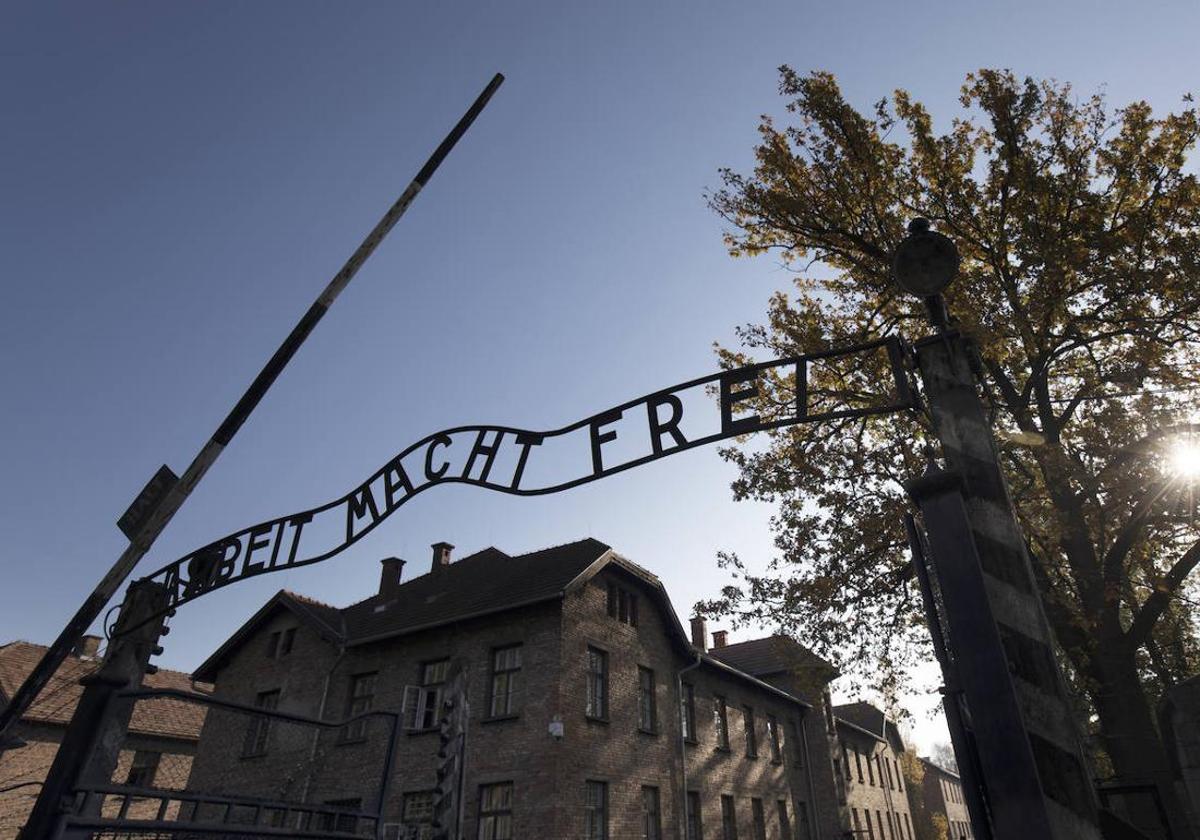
<point>1179,719</point>
<point>945,808</point>
<point>157,752</point>
<point>590,712</point>
<point>784,663</point>
<point>870,749</point>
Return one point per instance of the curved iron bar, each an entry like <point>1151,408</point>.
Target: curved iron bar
<point>211,566</point>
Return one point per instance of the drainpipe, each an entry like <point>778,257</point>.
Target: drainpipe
<point>683,746</point>
<point>813,823</point>
<point>887,791</point>
<point>312,755</point>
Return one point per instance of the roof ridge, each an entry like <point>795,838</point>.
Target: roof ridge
<point>308,599</point>
<point>305,603</point>
<point>561,545</point>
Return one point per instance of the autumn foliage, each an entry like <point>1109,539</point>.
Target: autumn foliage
<point>1079,229</point>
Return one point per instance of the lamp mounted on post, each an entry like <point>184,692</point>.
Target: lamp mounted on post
<point>925,264</point>
<point>1017,739</point>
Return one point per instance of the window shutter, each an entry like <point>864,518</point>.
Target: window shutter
<point>410,710</point>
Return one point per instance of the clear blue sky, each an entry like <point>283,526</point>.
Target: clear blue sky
<point>178,181</point>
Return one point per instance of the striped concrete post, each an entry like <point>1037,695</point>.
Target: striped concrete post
<point>1037,780</point>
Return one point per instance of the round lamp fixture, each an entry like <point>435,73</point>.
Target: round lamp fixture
<point>926,261</point>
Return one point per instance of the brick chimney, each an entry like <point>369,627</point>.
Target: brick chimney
<point>87,647</point>
<point>389,576</point>
<point>719,638</point>
<point>441,555</point>
<point>700,633</point>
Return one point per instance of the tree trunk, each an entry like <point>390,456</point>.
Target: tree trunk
<point>1130,737</point>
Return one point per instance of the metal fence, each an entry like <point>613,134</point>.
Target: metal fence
<point>257,772</point>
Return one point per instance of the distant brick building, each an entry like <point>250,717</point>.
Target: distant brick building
<point>785,664</point>
<point>944,805</point>
<point>158,750</point>
<point>876,792</point>
<point>592,713</point>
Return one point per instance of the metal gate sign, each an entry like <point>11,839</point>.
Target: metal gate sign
<point>528,463</point>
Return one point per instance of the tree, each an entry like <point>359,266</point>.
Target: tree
<point>1079,229</point>
<point>942,754</point>
<point>923,822</point>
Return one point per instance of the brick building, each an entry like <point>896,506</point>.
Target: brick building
<point>158,750</point>
<point>944,805</point>
<point>592,714</point>
<point>870,747</point>
<point>792,667</point>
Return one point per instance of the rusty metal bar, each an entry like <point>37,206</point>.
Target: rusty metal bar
<point>160,512</point>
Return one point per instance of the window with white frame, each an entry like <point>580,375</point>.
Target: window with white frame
<point>495,811</point>
<point>416,816</point>
<point>423,702</point>
<point>359,701</point>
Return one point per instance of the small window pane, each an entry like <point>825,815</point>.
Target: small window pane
<point>259,729</point>
<point>495,812</point>
<point>647,713</point>
<point>595,811</point>
<point>506,681</point>
<point>286,641</point>
<point>751,737</point>
<point>759,817</point>
<point>434,673</point>
<point>687,712</point>
<point>776,747</point>
<point>597,683</point>
<point>785,824</point>
<point>721,721</point>
<point>651,814</point>
<point>360,701</point>
<point>695,829</point>
<point>728,819</point>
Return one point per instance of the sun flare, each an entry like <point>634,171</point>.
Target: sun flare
<point>1185,459</point>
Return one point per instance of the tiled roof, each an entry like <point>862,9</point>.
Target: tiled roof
<point>930,764</point>
<point>463,589</point>
<point>484,582</point>
<point>769,655</point>
<point>488,581</point>
<point>863,715</point>
<point>869,718</point>
<point>164,717</point>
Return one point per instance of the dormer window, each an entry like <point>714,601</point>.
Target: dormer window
<point>280,643</point>
<point>622,604</point>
